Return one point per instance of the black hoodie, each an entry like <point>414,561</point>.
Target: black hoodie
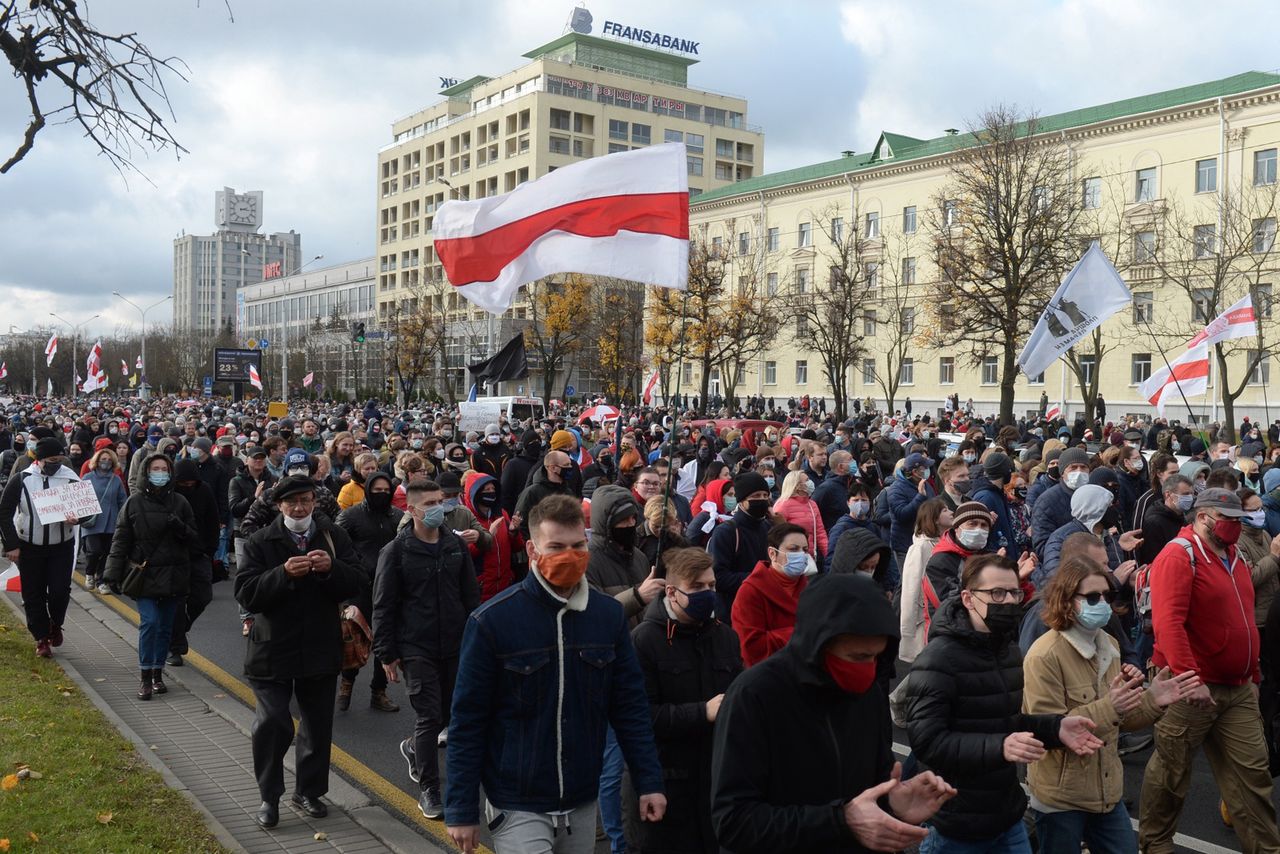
<point>855,546</point>
<point>515,474</point>
<point>790,747</point>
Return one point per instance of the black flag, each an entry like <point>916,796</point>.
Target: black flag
<point>509,363</point>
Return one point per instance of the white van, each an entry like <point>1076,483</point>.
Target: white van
<point>519,409</point>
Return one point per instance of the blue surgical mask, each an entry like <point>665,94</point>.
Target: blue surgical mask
<point>1255,519</point>
<point>769,481</point>
<point>730,504</point>
<point>797,563</point>
<point>1185,501</point>
<point>858,508</point>
<point>968,458</point>
<point>450,504</point>
<point>1094,616</point>
<point>158,478</point>
<point>973,538</point>
<point>700,605</point>
<point>433,517</point>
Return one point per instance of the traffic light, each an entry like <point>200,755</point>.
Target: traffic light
<point>357,333</point>
<point>391,386</point>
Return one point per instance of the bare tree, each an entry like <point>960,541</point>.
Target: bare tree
<point>617,306</point>
<point>896,313</point>
<point>558,325</point>
<point>418,328</point>
<point>1005,228</point>
<point>111,85</point>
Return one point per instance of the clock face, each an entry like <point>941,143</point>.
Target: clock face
<point>243,210</point>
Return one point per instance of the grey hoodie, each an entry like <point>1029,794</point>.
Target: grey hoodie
<point>1089,503</point>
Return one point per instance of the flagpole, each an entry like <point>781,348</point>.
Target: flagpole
<point>671,467</point>
<point>1172,376</point>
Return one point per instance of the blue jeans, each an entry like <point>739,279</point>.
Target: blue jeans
<point>1106,833</point>
<point>155,629</point>
<point>224,540</point>
<point>1012,841</point>
<point>611,794</point>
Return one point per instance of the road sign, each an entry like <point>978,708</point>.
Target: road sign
<point>252,343</point>
<point>263,343</point>
<point>569,390</point>
<point>208,386</point>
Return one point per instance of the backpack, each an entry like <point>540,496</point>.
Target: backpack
<point>1142,586</point>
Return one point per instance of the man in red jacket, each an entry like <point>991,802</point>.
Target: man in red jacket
<point>1218,639</point>
<point>764,611</point>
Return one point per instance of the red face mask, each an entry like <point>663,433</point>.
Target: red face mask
<point>852,677</point>
<point>1227,530</point>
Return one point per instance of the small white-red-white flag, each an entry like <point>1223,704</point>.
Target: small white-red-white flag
<point>1238,321</point>
<point>1186,375</point>
<point>1053,412</point>
<point>254,379</point>
<point>647,398</point>
<point>50,349</point>
<point>124,368</point>
<point>306,381</point>
<point>623,215</point>
<point>4,370</point>
<point>138,364</point>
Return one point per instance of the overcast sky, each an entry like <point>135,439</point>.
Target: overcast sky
<point>295,97</point>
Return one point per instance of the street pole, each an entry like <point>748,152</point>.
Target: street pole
<point>142,380</point>
<point>75,331</point>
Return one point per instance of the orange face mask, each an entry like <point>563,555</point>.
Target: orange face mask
<point>563,569</point>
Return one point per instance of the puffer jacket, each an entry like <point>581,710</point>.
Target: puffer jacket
<point>963,699</point>
<point>516,472</point>
<point>155,526</point>
<point>111,497</point>
<point>610,569</point>
<point>1255,548</point>
<point>904,500</point>
<point>806,513</point>
<point>1060,680</point>
<point>369,532</point>
<point>911,613</point>
<point>1051,512</point>
<point>421,600</point>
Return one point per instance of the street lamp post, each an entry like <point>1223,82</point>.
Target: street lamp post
<point>142,388</point>
<point>75,332</point>
<point>284,333</point>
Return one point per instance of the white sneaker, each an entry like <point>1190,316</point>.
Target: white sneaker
<point>104,589</point>
<point>442,739</point>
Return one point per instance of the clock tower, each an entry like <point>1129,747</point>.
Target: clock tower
<point>238,211</point>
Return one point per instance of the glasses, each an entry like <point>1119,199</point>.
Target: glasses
<point>999,595</point>
<point>1095,598</point>
<point>648,484</point>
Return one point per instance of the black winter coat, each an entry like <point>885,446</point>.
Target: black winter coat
<point>214,474</point>
<point>158,527</point>
<point>515,474</point>
<point>963,698</point>
<point>369,532</point>
<point>241,493</point>
<point>421,601</point>
<point>790,747</point>
<point>296,631</point>
<point>683,666</point>
<point>206,517</point>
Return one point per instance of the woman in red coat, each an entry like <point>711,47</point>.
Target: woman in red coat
<point>764,611</point>
<point>496,566</point>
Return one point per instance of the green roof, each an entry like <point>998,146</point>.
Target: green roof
<point>909,148</point>
<point>607,44</point>
<point>460,89</point>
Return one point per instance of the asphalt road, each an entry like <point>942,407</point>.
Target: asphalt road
<point>373,737</point>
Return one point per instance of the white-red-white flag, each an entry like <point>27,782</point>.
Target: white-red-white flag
<point>1239,321</point>
<point>306,381</point>
<point>97,378</point>
<point>138,365</point>
<point>4,370</point>
<point>623,215</point>
<point>648,387</point>
<point>124,368</point>
<point>1188,373</point>
<point>1053,412</point>
<point>50,349</point>
<point>254,379</point>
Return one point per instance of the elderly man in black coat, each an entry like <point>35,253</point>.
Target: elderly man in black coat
<point>295,573</point>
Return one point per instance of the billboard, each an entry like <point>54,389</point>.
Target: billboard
<point>232,365</point>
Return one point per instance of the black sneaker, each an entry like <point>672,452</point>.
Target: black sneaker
<point>406,750</point>
<point>173,660</point>
<point>430,803</point>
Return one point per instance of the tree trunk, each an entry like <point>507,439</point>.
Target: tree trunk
<point>704,386</point>
<point>1008,376</point>
<point>548,383</point>
<point>1228,399</point>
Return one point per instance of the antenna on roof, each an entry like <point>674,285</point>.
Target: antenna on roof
<point>951,131</point>
<point>847,153</point>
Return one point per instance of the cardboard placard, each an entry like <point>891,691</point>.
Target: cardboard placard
<point>475,415</point>
<point>52,505</point>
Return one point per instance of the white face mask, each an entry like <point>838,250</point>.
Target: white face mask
<point>972,538</point>
<point>298,526</point>
<point>1076,479</point>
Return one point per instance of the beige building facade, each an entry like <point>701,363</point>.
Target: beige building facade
<point>578,96</point>
<point>1196,151</point>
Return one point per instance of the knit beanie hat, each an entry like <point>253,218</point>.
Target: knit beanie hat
<point>562,440</point>
<point>747,483</point>
<point>968,511</point>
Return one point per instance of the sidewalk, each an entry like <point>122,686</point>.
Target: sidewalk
<point>197,737</point>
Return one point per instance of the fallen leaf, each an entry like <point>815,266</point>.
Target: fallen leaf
<point>31,834</point>
<point>320,836</point>
<point>4,844</point>
<point>10,781</point>
<point>105,817</point>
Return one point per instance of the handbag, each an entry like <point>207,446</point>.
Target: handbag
<point>133,579</point>
<point>357,638</point>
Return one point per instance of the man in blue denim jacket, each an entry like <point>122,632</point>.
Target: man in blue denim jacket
<point>546,666</point>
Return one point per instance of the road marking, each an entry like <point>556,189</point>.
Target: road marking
<point>345,762</point>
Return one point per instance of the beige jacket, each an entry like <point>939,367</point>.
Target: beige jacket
<point>1060,680</point>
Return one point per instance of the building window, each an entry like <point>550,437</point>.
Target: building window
<point>616,147</point>
<point>717,247</point>
<point>1144,307</point>
<point>837,231</point>
<point>1091,193</point>
<point>802,326</point>
<point>947,370</point>
<point>695,164</point>
<point>559,145</point>
<point>1144,247</point>
<point>908,271</point>
<point>771,240</point>
<point>907,371</point>
<point>804,235</point>
<point>1202,241</point>
<point>1088,363</point>
<point>872,231</point>
<point>1264,234</point>
<point>1264,167</point>
<point>1139,368</point>
<point>640,134</point>
<point>802,372</point>
<point>560,119</point>
<point>744,243</point>
<point>617,130</point>
<point>869,319</point>
<point>1261,373</point>
<point>907,324</point>
<point>802,280</point>
<point>584,148</point>
<point>1202,305</point>
<point>1145,185</point>
<point>871,273</point>
<point>990,370</point>
<point>771,284</point>
<point>868,371</point>
<point>1207,175</point>
<point>770,373</point>
<point>724,148</point>
<point>909,219</point>
<point>693,142</point>
<point>669,135</point>
<point>950,212</point>
<point>724,171</point>
<point>1262,301</point>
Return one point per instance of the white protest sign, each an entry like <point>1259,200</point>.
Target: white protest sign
<point>475,415</point>
<point>52,505</point>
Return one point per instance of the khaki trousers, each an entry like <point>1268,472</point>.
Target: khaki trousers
<point>1231,733</point>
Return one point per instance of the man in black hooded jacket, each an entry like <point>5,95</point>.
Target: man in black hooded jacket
<point>802,756</point>
<point>515,473</point>
<point>187,483</point>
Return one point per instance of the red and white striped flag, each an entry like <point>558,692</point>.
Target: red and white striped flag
<point>648,387</point>
<point>97,378</point>
<point>1053,412</point>
<point>138,365</point>
<point>1190,372</point>
<point>306,381</point>
<point>50,349</point>
<point>254,379</point>
<point>4,370</point>
<point>124,368</point>
<point>1238,321</point>
<point>624,215</point>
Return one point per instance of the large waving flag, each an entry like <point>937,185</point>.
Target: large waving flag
<point>1186,375</point>
<point>308,379</point>
<point>96,376</point>
<point>254,379</point>
<point>1091,292</point>
<point>624,215</point>
<point>647,398</point>
<point>51,349</point>
<point>124,368</point>
<point>1239,321</point>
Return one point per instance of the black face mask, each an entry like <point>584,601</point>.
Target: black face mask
<point>533,449</point>
<point>50,467</point>
<point>488,502</point>
<point>1003,619</point>
<point>705,455</point>
<point>758,507</point>
<point>1053,473</point>
<point>624,537</point>
<point>379,502</point>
